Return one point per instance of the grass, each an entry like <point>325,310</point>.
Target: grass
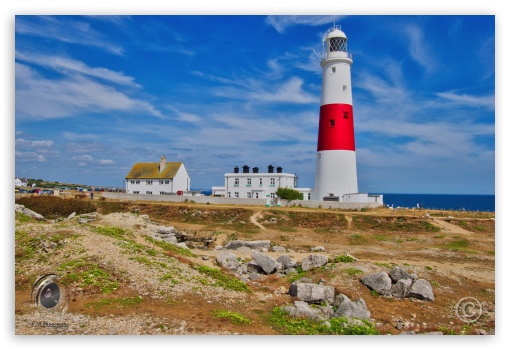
<point>113,231</point>
<point>52,207</point>
<point>222,279</point>
<point>234,317</point>
<point>87,273</point>
<point>458,244</point>
<point>170,247</point>
<point>357,239</point>
<point>343,258</point>
<point>302,326</point>
<point>127,301</point>
<point>300,274</point>
<point>389,266</point>
<point>352,271</point>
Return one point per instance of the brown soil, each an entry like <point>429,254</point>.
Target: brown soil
<point>455,254</point>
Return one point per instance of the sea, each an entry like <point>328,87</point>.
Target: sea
<point>468,202</point>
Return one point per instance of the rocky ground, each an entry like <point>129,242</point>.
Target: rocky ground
<point>145,268</point>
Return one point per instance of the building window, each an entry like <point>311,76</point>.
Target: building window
<point>148,192</point>
<point>308,196</point>
<point>344,88</point>
<point>273,195</point>
<point>137,182</point>
<point>161,182</point>
<point>333,69</point>
<point>149,182</point>
<point>260,183</point>
<point>272,182</point>
<point>136,192</point>
<point>236,194</point>
<point>248,182</point>
<point>248,195</point>
<point>167,182</point>
<point>236,182</point>
<point>229,195</point>
<point>256,195</point>
<point>332,122</point>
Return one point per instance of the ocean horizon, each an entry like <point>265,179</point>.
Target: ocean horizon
<point>468,202</point>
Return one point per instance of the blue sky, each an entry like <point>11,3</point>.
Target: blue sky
<point>95,94</point>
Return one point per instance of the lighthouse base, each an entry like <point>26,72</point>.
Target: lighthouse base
<point>335,174</point>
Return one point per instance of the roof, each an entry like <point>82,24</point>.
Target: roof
<point>151,171</point>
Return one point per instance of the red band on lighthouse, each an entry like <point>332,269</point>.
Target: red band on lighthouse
<point>336,128</point>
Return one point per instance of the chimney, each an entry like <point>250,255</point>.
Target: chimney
<point>279,170</point>
<point>246,169</point>
<point>236,170</point>
<point>255,170</point>
<point>162,164</point>
<point>270,169</point>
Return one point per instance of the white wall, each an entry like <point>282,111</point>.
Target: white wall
<point>180,182</point>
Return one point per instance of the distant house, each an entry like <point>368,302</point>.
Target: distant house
<point>158,178</point>
<point>258,185</point>
<point>20,182</point>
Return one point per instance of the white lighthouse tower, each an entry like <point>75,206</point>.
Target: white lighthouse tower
<point>336,173</point>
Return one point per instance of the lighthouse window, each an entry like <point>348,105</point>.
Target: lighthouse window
<point>333,69</point>
<point>344,88</point>
<point>332,122</point>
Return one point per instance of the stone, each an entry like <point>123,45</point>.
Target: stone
<point>205,257</point>
<point>169,239</point>
<point>72,215</point>
<point>33,214</point>
<point>166,230</point>
<point>313,261</point>
<point>182,245</point>
<point>318,249</point>
<point>253,276</point>
<point>407,333</point>
<point>257,245</point>
<point>379,281</point>
<point>19,207</point>
<point>228,260</point>
<point>398,273</point>
<point>312,293</point>
<point>400,289</point>
<point>290,271</point>
<point>263,250</point>
<point>253,267</point>
<point>287,262</point>
<point>349,308</point>
<point>302,309</point>
<point>267,263</point>
<point>278,249</point>
<point>243,248</point>
<point>480,332</point>
<point>421,289</point>
<point>218,247</point>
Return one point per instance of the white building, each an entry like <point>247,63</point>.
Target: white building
<point>257,185</point>
<point>158,178</point>
<point>20,182</point>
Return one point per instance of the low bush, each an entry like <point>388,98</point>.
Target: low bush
<point>54,207</point>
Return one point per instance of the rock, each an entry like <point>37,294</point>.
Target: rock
<point>312,293</point>
<point>256,245</point>
<point>72,215</point>
<point>480,332</point>
<point>218,247</point>
<point>287,262</point>
<point>243,248</point>
<point>19,207</point>
<point>421,289</point>
<point>53,245</point>
<point>290,271</point>
<point>253,276</point>
<point>400,289</point>
<point>433,333</point>
<point>379,281</point>
<point>348,308</point>
<point>318,249</point>
<point>414,276</point>
<point>33,214</point>
<point>169,239</point>
<point>407,333</point>
<point>278,248</point>
<point>182,245</point>
<point>144,217</point>
<point>302,309</point>
<point>205,257</point>
<point>228,260</point>
<point>313,261</point>
<point>263,250</point>
<point>267,263</point>
<point>253,267</point>
<point>166,230</point>
<point>398,273</point>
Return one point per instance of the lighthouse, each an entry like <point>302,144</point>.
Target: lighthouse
<point>336,173</point>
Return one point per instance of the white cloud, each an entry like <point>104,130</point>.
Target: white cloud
<point>35,144</point>
<point>106,161</point>
<point>67,65</point>
<point>468,100</point>
<point>418,48</point>
<point>83,158</point>
<point>281,23</point>
<point>50,99</point>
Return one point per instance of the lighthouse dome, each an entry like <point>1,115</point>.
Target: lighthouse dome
<point>335,33</point>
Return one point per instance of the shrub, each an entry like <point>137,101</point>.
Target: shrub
<point>343,258</point>
<point>234,317</point>
<point>289,194</point>
<point>223,280</point>
<point>54,207</point>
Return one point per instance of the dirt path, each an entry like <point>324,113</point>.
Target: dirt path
<point>450,228</point>
<point>349,221</point>
<point>254,221</point>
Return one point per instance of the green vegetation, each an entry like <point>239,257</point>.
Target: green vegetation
<point>428,268</point>
<point>22,218</point>
<point>170,247</point>
<point>222,279</point>
<point>289,194</point>
<point>127,301</point>
<point>338,325</point>
<point>87,273</point>
<point>389,266</point>
<point>300,274</point>
<point>234,317</point>
<point>343,258</point>
<point>357,239</point>
<point>458,244</point>
<point>352,271</point>
<point>52,207</point>
<point>113,231</point>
